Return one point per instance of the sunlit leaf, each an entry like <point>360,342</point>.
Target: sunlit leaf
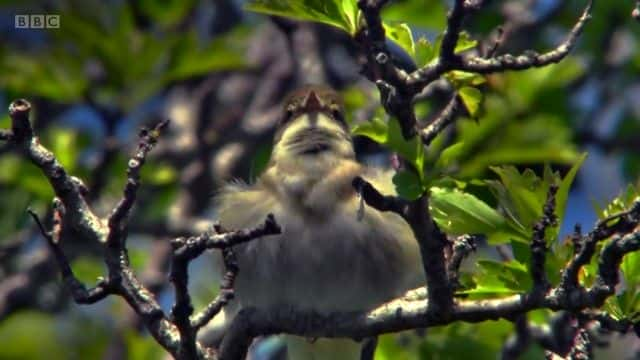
<point>64,145</point>
<point>400,33</point>
<point>465,42</point>
<point>458,212</point>
<point>471,98</point>
<point>462,78</point>
<point>158,174</point>
<point>351,11</point>
<point>331,12</point>
<point>376,129</point>
<point>88,269</point>
<point>425,52</point>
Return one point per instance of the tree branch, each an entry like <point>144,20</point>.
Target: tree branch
<point>530,58</point>
<point>539,242</point>
<point>178,334</point>
<point>462,247</point>
<point>398,89</point>
<point>67,188</point>
<point>447,116</point>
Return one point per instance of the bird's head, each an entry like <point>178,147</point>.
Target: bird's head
<point>312,124</point>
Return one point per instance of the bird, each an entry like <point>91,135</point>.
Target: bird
<point>334,253</point>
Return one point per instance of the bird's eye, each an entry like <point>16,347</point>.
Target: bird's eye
<point>287,116</point>
<point>338,115</point>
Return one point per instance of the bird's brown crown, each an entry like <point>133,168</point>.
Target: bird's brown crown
<point>313,98</point>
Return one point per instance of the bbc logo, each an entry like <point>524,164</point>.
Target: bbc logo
<point>37,21</point>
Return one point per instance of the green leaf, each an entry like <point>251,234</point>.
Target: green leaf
<point>514,274</point>
<point>471,98</point>
<point>88,269</point>
<point>612,307</point>
<point>458,212</point>
<point>497,278</point>
<point>64,144</point>
<point>465,42</point>
<point>521,251</point>
<point>565,185</point>
<point>524,88</point>
<point>56,75</point>
<point>429,15</point>
<point>400,33</point>
<point>389,134</point>
<point>523,194</point>
<point>411,150</point>
<point>425,52</point>
<point>166,12</point>
<point>141,347</point>
<point>20,329</point>
<point>449,155</point>
<point>158,174</point>
<point>351,12</point>
<point>462,78</point>
<point>629,301</point>
<point>500,136</point>
<point>521,197</point>
<point>489,287</point>
<point>336,13</point>
<point>376,129</point>
<point>408,184</point>
<point>631,271</point>
<point>620,203</point>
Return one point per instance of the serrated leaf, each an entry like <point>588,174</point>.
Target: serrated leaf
<point>619,203</point>
<point>471,98</point>
<point>400,33</point>
<point>514,274</point>
<point>330,12</point>
<point>425,52</point>
<point>522,196</point>
<point>488,285</point>
<point>458,212</point>
<point>465,42</point>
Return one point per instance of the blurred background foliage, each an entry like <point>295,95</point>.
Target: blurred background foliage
<point>220,71</point>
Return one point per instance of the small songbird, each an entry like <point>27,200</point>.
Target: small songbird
<point>332,255</point>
